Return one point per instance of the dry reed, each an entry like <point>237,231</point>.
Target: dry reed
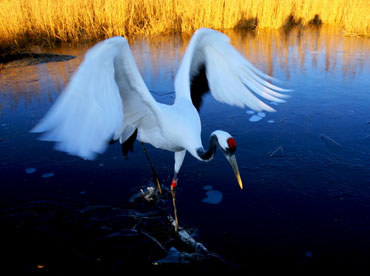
<point>45,22</point>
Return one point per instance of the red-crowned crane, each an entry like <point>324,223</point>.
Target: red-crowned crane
<point>107,99</point>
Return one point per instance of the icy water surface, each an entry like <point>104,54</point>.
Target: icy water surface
<point>305,168</point>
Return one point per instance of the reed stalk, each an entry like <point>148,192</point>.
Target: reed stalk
<point>46,22</point>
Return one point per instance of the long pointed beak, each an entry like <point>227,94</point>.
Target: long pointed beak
<point>234,165</point>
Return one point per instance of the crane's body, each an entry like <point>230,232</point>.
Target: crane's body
<point>107,99</point>
<point>172,121</point>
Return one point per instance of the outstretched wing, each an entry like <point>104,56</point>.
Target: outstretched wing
<point>106,98</point>
<point>212,64</point>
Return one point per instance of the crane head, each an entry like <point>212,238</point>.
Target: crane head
<point>228,146</point>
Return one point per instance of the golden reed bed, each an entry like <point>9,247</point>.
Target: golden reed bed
<point>44,22</point>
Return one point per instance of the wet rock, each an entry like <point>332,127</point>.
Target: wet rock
<point>148,193</point>
<point>66,237</point>
<point>174,256</point>
<point>278,152</point>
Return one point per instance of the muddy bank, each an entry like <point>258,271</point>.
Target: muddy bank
<point>27,59</point>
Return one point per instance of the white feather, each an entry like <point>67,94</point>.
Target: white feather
<point>106,98</point>
<point>231,78</point>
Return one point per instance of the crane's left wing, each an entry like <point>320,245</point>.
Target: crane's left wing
<point>106,98</point>
<point>212,64</point>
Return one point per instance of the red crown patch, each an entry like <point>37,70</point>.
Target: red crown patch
<point>231,143</point>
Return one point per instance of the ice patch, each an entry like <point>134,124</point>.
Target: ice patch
<point>261,114</point>
<point>213,197</point>
<point>271,121</point>
<point>255,118</point>
<point>47,175</point>
<point>250,112</point>
<point>207,187</point>
<point>274,103</point>
<point>30,170</point>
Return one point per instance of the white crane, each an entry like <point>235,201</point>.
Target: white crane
<point>107,99</point>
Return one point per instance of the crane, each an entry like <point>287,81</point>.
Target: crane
<point>106,99</point>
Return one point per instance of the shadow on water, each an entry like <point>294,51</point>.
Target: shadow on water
<point>306,203</point>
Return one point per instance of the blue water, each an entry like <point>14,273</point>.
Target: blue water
<point>306,207</point>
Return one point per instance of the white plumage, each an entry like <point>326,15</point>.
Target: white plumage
<point>107,98</point>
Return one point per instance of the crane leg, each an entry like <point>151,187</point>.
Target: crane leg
<point>156,182</point>
<point>179,159</point>
<point>173,193</point>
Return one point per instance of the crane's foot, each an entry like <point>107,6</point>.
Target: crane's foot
<point>173,193</point>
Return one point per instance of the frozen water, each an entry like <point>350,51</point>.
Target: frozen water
<point>261,114</point>
<point>213,197</point>
<point>47,175</point>
<point>271,121</point>
<point>250,112</point>
<point>30,170</point>
<point>255,118</point>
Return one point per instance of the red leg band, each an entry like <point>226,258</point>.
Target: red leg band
<point>174,183</point>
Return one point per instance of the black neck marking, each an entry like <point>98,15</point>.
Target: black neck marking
<point>207,155</point>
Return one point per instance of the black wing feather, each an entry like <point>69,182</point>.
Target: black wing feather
<point>128,145</point>
<point>199,87</point>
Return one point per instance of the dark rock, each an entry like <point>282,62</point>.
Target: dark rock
<point>65,237</point>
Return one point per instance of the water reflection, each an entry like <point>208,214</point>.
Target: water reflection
<point>158,58</point>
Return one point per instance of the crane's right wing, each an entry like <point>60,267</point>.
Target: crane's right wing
<point>106,98</point>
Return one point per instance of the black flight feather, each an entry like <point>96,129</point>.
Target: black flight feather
<point>199,87</point>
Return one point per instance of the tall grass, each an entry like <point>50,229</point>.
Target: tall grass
<point>45,22</point>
